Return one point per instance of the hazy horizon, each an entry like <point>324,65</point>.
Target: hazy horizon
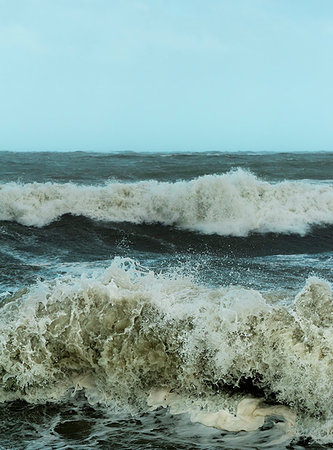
<point>162,152</point>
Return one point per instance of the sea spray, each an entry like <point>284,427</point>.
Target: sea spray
<point>121,333</point>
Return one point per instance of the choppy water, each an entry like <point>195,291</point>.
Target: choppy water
<point>206,276</point>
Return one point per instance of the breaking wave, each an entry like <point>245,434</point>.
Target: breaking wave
<point>236,203</point>
<point>127,331</point>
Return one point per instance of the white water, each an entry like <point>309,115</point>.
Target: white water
<point>127,331</point>
<point>236,203</point>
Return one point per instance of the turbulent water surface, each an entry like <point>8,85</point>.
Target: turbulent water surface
<point>166,300</point>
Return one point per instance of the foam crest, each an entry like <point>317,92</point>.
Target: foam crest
<point>126,331</point>
<point>235,203</point>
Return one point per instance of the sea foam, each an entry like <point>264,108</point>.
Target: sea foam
<point>235,203</point>
<point>126,331</point>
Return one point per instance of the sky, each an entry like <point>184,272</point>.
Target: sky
<point>166,75</point>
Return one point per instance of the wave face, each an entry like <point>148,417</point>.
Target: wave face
<point>236,203</point>
<point>121,333</point>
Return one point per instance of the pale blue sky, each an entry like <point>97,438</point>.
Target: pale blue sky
<point>163,75</point>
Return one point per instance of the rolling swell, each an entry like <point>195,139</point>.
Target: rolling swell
<point>94,168</point>
<point>233,204</point>
<point>127,331</point>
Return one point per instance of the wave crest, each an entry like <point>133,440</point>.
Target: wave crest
<point>128,330</point>
<point>235,203</point>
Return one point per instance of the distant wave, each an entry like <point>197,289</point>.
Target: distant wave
<point>126,331</point>
<point>236,203</point>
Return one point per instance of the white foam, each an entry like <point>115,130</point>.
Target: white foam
<point>232,204</point>
<point>126,331</point>
<point>250,414</point>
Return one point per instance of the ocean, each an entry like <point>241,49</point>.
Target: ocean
<point>166,301</point>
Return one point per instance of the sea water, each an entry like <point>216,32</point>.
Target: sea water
<point>166,300</point>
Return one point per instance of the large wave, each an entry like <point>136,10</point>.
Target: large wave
<point>235,203</point>
<point>126,331</point>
